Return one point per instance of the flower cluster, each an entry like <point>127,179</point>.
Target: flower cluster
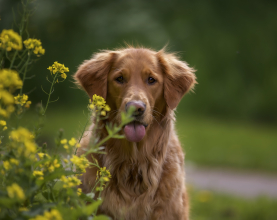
<point>35,46</point>
<point>22,100</point>
<point>104,174</point>
<point>72,142</point>
<point>58,68</point>
<point>39,174</point>
<point>99,103</point>
<point>25,138</point>
<point>70,181</point>
<point>15,191</point>
<point>81,163</point>
<point>10,40</point>
<point>3,124</point>
<point>51,215</point>
<point>9,81</point>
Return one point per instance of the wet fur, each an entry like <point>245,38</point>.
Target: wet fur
<point>148,180</point>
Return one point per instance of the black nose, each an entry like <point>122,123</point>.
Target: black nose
<point>139,107</point>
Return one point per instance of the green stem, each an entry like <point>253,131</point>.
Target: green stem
<point>49,94</point>
<point>24,74</point>
<point>15,54</point>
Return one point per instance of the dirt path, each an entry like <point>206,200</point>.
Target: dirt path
<point>238,183</point>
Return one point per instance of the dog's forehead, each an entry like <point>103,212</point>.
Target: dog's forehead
<point>138,58</point>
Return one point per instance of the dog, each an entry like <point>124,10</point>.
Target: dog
<point>147,168</point>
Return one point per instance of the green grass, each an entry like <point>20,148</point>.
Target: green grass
<point>206,141</point>
<point>225,143</point>
<point>206,205</point>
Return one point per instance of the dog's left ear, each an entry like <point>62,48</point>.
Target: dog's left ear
<point>92,74</point>
<point>179,78</point>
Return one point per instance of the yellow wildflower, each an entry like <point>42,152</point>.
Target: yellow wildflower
<point>56,163</point>
<point>65,160</point>
<point>10,40</point>
<point>51,168</point>
<point>72,142</point>
<point>6,165</point>
<point>79,191</point>
<point>21,99</point>
<point>3,123</point>
<point>41,155</point>
<point>70,181</point>
<point>10,79</point>
<point>65,146</point>
<point>58,68</point>
<point>78,145</point>
<point>5,128</point>
<point>6,97</point>
<point>15,191</point>
<point>14,161</point>
<point>38,173</point>
<point>81,163</point>
<point>35,46</point>
<point>51,215</point>
<point>63,75</point>
<point>104,174</point>
<point>63,141</point>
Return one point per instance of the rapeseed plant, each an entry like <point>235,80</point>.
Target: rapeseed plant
<point>37,184</point>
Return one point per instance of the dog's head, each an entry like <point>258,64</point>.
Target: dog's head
<point>150,81</point>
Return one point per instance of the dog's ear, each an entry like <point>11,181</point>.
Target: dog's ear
<point>92,74</point>
<point>179,78</point>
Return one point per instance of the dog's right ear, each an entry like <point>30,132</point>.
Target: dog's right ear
<point>92,74</point>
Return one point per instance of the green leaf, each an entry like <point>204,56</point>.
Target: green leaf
<point>88,210</point>
<point>101,217</point>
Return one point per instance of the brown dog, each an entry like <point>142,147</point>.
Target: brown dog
<point>147,167</point>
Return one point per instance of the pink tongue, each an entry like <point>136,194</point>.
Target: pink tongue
<point>134,131</point>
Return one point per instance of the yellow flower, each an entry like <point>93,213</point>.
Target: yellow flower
<point>10,79</point>
<point>63,75</point>
<point>15,191</point>
<point>14,161</point>
<point>65,146</point>
<point>104,174</point>
<point>6,97</point>
<point>56,163</point>
<point>3,123</point>
<point>58,68</point>
<point>38,173</point>
<point>6,165</point>
<point>5,128</point>
<point>10,40</point>
<point>51,168</point>
<point>72,142</point>
<point>78,145</point>
<point>41,155</point>
<point>79,191</point>
<point>81,163</point>
<point>22,100</point>
<point>63,141</point>
<point>51,215</point>
<point>35,46</point>
<point>65,160</point>
<point>70,181</point>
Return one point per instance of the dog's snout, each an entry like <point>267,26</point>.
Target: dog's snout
<point>139,107</point>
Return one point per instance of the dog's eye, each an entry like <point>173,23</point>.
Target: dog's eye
<point>120,79</point>
<point>151,80</point>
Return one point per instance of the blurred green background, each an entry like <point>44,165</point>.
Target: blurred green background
<point>231,119</point>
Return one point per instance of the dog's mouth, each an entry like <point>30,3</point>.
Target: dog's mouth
<point>134,131</point>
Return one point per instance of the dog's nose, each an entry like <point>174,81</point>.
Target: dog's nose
<point>139,107</point>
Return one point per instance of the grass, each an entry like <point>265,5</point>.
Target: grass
<point>206,141</point>
<point>206,205</point>
<point>212,142</point>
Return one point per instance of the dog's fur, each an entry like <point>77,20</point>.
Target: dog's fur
<point>148,180</point>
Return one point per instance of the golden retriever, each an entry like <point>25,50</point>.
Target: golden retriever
<point>147,167</point>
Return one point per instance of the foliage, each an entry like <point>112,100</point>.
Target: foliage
<point>36,182</point>
<point>207,205</point>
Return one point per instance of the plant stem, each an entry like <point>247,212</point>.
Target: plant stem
<point>15,54</point>
<point>49,94</point>
<point>24,74</point>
